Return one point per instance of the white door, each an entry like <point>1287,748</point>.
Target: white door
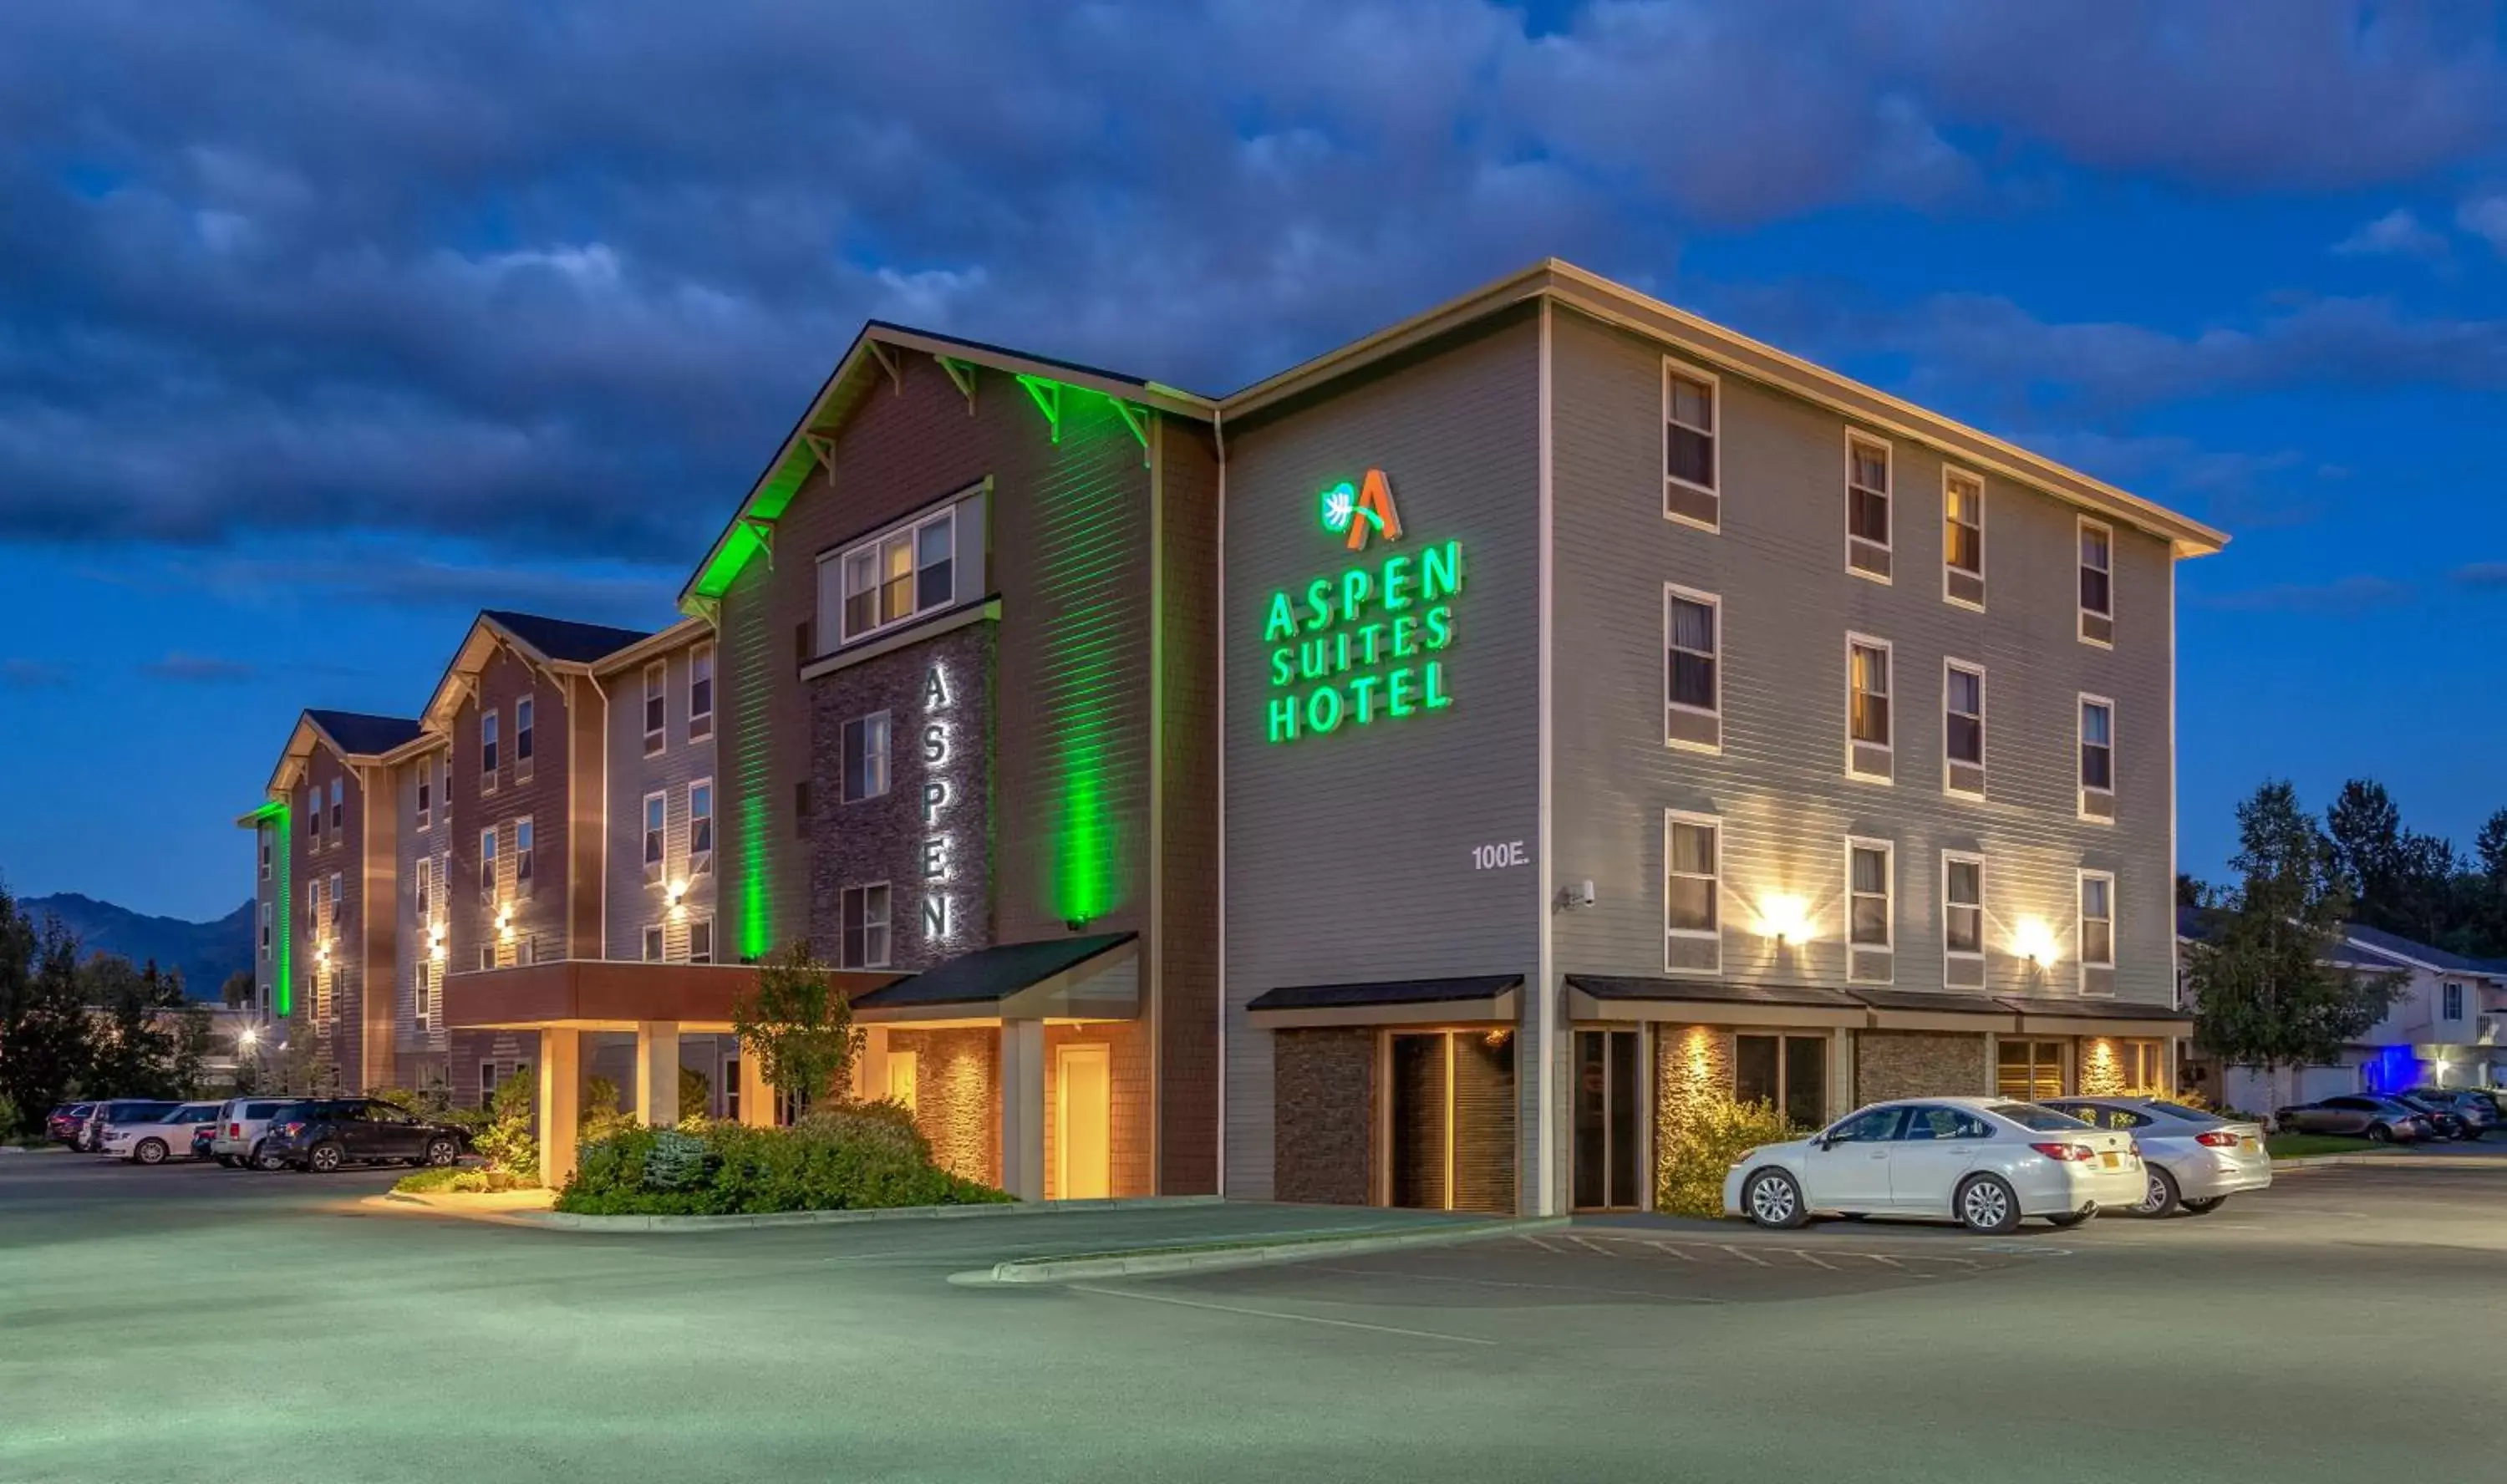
<point>1084,1125</point>
<point>1852,1173</point>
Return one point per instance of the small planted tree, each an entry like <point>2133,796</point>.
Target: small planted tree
<point>797,1027</point>
<point>696,1094</point>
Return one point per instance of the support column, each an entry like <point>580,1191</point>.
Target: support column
<point>560,1101</point>
<point>2168,1050</point>
<point>1023,1108</point>
<point>756,1098</point>
<point>1841,1073</point>
<point>870,1068</point>
<point>656,1074</point>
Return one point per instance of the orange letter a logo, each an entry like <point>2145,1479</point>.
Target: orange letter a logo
<point>1376,509</point>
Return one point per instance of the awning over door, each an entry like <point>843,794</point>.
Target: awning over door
<point>1392,1003</point>
<point>2053,1015</point>
<point>1711,1003</point>
<point>1083,978</point>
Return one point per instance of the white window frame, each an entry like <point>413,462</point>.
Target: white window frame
<point>2081,564</point>
<point>2081,919</point>
<point>887,923</point>
<point>700,922</point>
<point>425,799</point>
<point>526,718</point>
<point>2079,743</point>
<point>266,916</point>
<point>1672,817</point>
<point>699,860</point>
<point>267,847</point>
<point>912,531</point>
<point>492,751</point>
<point>1983,944</point>
<point>657,691</point>
<point>656,839</point>
<point>487,954</point>
<point>423,893</point>
<point>700,723</point>
<point>339,893</point>
<point>656,945</point>
<point>1671,591</point>
<point>887,742</point>
<point>1714,440</point>
<point>524,851</point>
<point>488,865</point>
<point>1984,726</point>
<point>2449,1000</point>
<point>1888,543</point>
<point>339,810</point>
<point>313,812</point>
<point>1889,658</point>
<point>1888,850</point>
<point>1951,473</point>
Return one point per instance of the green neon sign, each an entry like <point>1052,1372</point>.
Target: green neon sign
<point>1364,644</point>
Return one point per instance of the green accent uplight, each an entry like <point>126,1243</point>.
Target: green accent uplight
<point>274,815</point>
<point>1089,532</point>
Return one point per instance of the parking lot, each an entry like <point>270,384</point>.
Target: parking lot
<point>197,1324</point>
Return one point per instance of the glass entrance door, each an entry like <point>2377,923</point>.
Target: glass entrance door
<point>1610,1112</point>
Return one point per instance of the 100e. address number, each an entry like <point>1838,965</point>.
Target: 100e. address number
<point>1497,857</point>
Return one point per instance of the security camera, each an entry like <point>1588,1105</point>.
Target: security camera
<point>1584,892</point>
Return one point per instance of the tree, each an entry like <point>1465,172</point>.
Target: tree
<point>46,1039</point>
<point>236,992</point>
<point>2265,993</point>
<point>136,1044</point>
<point>797,1027</point>
<point>188,1066</point>
<point>2193,891</point>
<point>2400,880</point>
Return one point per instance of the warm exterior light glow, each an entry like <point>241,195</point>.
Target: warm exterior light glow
<point>247,1038</point>
<point>1784,917</point>
<point>677,890</point>
<point>2033,940</point>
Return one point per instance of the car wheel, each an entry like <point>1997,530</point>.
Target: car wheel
<point>2378,1134</point>
<point>2158,1196</point>
<point>2070,1218</point>
<point>2205,1206</point>
<point>262,1159</point>
<point>324,1159</point>
<point>1774,1200</point>
<point>226,1161</point>
<point>151,1151</point>
<point>1987,1204</point>
<point>441,1151</point>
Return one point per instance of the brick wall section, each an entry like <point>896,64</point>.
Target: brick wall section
<point>1128,1064</point>
<point>1919,1064</point>
<point>957,1097</point>
<point>336,1009</point>
<point>1323,1134</point>
<point>881,839</point>
<point>541,918</point>
<point>1187,934</point>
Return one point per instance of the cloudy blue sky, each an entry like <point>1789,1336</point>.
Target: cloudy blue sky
<point>322,326</point>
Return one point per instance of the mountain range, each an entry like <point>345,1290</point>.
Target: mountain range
<point>205,952</point>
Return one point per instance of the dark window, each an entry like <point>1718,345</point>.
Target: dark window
<point>1867,496</point>
<point>934,563</point>
<point>801,808</point>
<point>1693,654</point>
<point>2098,745</point>
<point>1933,1122</point>
<point>1789,1072</point>
<point>1688,432</point>
<point>1878,1124</point>
<point>865,929</point>
<point>1964,709</point>
<point>866,756</point>
<point>522,731</point>
<point>487,744</point>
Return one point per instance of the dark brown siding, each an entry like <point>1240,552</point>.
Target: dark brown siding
<point>541,919</point>
<point>1187,939</point>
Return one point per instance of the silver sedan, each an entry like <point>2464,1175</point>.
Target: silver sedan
<point>2194,1160</point>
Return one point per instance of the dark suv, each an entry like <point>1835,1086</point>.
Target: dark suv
<point>320,1135</point>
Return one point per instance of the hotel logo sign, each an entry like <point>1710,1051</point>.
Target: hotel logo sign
<point>1364,644</point>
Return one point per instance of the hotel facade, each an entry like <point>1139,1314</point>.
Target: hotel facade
<point>1412,780</point>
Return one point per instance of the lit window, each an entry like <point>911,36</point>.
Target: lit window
<point>2097,758</point>
<point>488,728</point>
<point>1962,538</point>
<point>522,857</point>
<point>2098,582</point>
<point>865,927</point>
<point>1867,507</point>
<point>338,896</point>
<point>701,826</point>
<point>1963,728</point>
<point>1866,719</point>
<point>2097,920</point>
<point>657,707</point>
<point>1963,919</point>
<point>487,956</point>
<point>1691,890</point>
<point>422,887</point>
<point>700,691</point>
<point>313,811</point>
<point>898,576</point>
<point>1689,469</point>
<point>488,866</point>
<point>866,744</point>
<point>656,818</point>
<point>701,940</point>
<point>425,795</point>
<point>1869,918</point>
<point>1692,683</point>
<point>523,739</point>
<point>2452,1008</point>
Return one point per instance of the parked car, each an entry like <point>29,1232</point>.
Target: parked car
<point>2477,1107</point>
<point>104,1116</point>
<point>144,1141</point>
<point>2190,1160</point>
<point>239,1127</point>
<point>320,1136</point>
<point>2359,1115</point>
<point>1984,1162</point>
<point>62,1124</point>
<point>2443,1122</point>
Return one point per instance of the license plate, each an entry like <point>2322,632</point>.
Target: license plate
<point>2108,1159</point>
<point>2250,1141</point>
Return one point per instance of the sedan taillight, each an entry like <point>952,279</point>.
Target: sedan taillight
<point>2216,1138</point>
<point>2067,1153</point>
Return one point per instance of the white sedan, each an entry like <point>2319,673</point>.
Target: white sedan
<point>1986,1162</point>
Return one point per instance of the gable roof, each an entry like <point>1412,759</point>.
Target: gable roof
<point>2412,954</point>
<point>360,734</point>
<point>564,640</point>
<point>562,645</point>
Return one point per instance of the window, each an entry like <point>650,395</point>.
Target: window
<point>339,810</point>
<point>488,726</point>
<point>522,857</point>
<point>1866,719</point>
<point>523,740</point>
<point>338,895</point>
<point>1963,921</point>
<point>1931,1123</point>
<point>1692,681</point>
<point>1869,917</point>
<point>1962,728</point>
<point>653,943</point>
<point>2029,1071</point>
<point>700,691</point>
<point>656,818</point>
<point>487,956</point>
<point>423,890</point>
<point>487,1083</point>
<point>2453,1002</point>
<point>1788,1073</point>
<point>898,576</point>
<point>866,757</point>
<point>426,794</point>
<point>700,826</point>
<point>1866,506</point>
<point>1962,538</point>
<point>865,927</point>
<point>488,865</point>
<point>1692,891</point>
<point>1690,470</point>
<point>701,940</point>
<point>2097,758</point>
<point>1877,1126</point>
<point>265,929</point>
<point>657,707</point>
<point>2097,920</point>
<point>264,834</point>
<point>314,811</point>
<point>2098,582</point>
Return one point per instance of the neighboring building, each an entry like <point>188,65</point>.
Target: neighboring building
<point>1616,706</point>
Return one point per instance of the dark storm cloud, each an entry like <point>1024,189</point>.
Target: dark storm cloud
<point>557,278</point>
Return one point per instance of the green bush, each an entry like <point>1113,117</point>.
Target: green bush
<point>459,1181</point>
<point>847,1157</point>
<point>1698,1148</point>
<point>506,1140</point>
<point>7,1116</point>
<point>427,1181</point>
<point>696,1094</point>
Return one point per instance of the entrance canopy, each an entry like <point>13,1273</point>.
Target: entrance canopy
<point>1392,1003</point>
<point>1864,1007</point>
<point>1083,978</point>
<point>606,994</point>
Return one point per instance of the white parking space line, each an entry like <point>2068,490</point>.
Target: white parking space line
<point>1516,1283</point>
<point>1545,1246</point>
<point>1743,1255</point>
<point>1813,1261</point>
<point>1278,1314</point>
<point>1674,1249</point>
<point>1591,1245</point>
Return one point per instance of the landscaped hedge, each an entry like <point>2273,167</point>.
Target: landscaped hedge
<point>851,1157</point>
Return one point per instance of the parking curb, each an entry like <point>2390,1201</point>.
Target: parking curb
<point>572,1221</point>
<point>1251,1252</point>
<point>2397,1159</point>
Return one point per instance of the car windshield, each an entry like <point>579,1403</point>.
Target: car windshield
<point>2180,1110</point>
<point>2028,1115</point>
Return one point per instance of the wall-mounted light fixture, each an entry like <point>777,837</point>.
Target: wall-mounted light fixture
<point>1784,917</point>
<point>2033,940</point>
